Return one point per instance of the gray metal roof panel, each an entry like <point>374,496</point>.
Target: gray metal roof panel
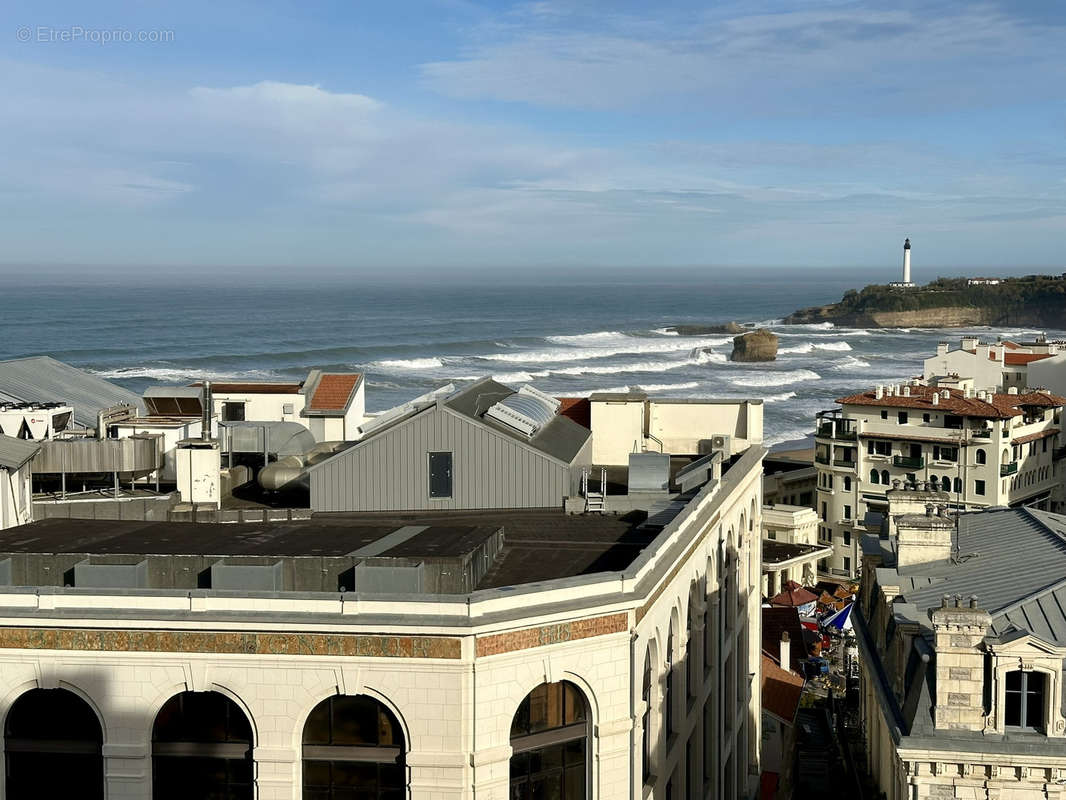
<point>42,378</point>
<point>16,452</point>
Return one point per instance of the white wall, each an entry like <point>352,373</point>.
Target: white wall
<point>1049,373</point>
<point>16,504</point>
<point>262,407</point>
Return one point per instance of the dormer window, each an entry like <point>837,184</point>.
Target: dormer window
<point>1025,699</point>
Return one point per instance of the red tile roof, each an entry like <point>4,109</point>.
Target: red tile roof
<point>783,619</point>
<point>1001,406</point>
<point>1032,437</point>
<point>1014,359</point>
<point>334,391</point>
<point>781,689</point>
<point>579,409</point>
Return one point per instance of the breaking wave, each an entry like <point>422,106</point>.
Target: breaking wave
<point>778,398</point>
<point>410,363</point>
<point>666,387</point>
<point>633,345</point>
<point>775,378</point>
<point>587,338</point>
<point>184,375</point>
<point>849,363</point>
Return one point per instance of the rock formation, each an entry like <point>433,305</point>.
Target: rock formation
<point>704,330</point>
<point>757,345</point>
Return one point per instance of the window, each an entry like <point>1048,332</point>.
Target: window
<point>1024,695</point>
<point>875,476</point>
<point>945,453</point>
<point>201,747</point>
<point>668,695</point>
<point>353,746</point>
<point>440,475</point>
<point>232,412</point>
<point>879,448</point>
<point>645,695</point>
<point>847,564</point>
<point>884,414</point>
<point>847,512</point>
<point>847,484</point>
<point>978,487</point>
<point>824,513</point>
<point>884,477</point>
<point>549,742</point>
<point>53,745</point>
<point>981,456</point>
<point>901,417</point>
<point>958,486</point>
<point>925,417</point>
<point>847,538</point>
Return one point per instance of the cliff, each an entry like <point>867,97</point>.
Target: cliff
<point>758,345</point>
<point>1038,300</point>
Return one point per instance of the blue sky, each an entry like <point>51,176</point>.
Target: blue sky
<point>391,137</point>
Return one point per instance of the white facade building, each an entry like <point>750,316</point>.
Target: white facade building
<point>983,449</point>
<point>16,499</point>
<point>634,679</point>
<point>994,367</point>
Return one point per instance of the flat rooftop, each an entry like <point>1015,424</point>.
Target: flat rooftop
<point>538,545</point>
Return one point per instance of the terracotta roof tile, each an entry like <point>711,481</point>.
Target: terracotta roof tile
<point>781,689</point>
<point>1001,406</point>
<point>1032,437</point>
<point>333,391</point>
<point>1014,359</point>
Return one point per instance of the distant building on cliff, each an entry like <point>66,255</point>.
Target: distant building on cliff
<point>993,367</point>
<point>906,282</point>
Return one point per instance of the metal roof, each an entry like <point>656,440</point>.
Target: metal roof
<point>1014,560</point>
<point>42,378</point>
<point>16,452</point>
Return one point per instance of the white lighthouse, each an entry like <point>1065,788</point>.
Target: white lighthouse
<point>907,262</point>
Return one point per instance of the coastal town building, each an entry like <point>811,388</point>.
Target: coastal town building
<point>790,478</point>
<point>791,550</point>
<point>983,449</point>
<point>962,641</point>
<point>994,367</point>
<point>434,654</point>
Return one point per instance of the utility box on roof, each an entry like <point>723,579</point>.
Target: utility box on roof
<point>199,467</point>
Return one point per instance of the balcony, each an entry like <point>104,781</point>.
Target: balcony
<point>908,462</point>
<point>981,433</point>
<point>837,429</point>
<point>843,462</point>
<point>821,459</point>
<point>1008,469</point>
<point>1059,453</point>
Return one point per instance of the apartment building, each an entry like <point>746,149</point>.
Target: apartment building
<point>962,642</point>
<point>995,366</point>
<point>982,448</point>
<point>497,654</point>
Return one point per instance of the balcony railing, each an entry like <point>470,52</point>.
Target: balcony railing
<point>1008,469</point>
<point>908,462</point>
<point>843,462</point>
<point>821,459</point>
<point>1059,453</point>
<point>828,430</point>
<point>982,433</point>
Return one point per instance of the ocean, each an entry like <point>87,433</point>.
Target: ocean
<point>566,334</point>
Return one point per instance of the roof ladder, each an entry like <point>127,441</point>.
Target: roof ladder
<point>595,502</point>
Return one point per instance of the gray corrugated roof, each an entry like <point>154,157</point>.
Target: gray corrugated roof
<point>1014,560</point>
<point>562,438</point>
<point>16,452</point>
<point>44,379</point>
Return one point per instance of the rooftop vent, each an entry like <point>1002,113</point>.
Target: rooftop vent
<point>526,411</point>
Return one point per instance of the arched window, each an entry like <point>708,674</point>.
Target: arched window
<point>353,746</point>
<point>875,476</point>
<point>669,694</point>
<point>550,744</point>
<point>201,747</point>
<point>646,696</point>
<point>982,458</point>
<point>52,747</point>
<point>884,477</point>
<point>934,483</point>
<point>958,486</point>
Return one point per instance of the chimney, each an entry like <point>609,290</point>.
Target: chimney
<point>906,391</point>
<point>922,538</point>
<point>879,392</point>
<point>945,393</point>
<point>205,401</point>
<point>942,349</point>
<point>969,343</point>
<point>785,655</point>
<point>968,393</point>
<point>1012,390</point>
<point>959,631</point>
<point>936,399</point>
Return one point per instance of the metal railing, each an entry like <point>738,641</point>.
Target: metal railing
<point>1008,469</point>
<point>908,462</point>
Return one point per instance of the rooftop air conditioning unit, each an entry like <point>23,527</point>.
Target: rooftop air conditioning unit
<point>723,442</point>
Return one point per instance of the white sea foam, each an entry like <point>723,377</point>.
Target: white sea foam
<point>512,377</point>
<point>666,387</point>
<point>710,357</point>
<point>775,378</point>
<point>588,338</point>
<point>184,374</point>
<point>410,363</point>
<point>841,346</point>
<point>850,363</point>
<point>664,332</point>
<point>631,344</point>
<point>778,398</point>
<point>810,347</point>
<point>796,349</point>
<point>789,435</point>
